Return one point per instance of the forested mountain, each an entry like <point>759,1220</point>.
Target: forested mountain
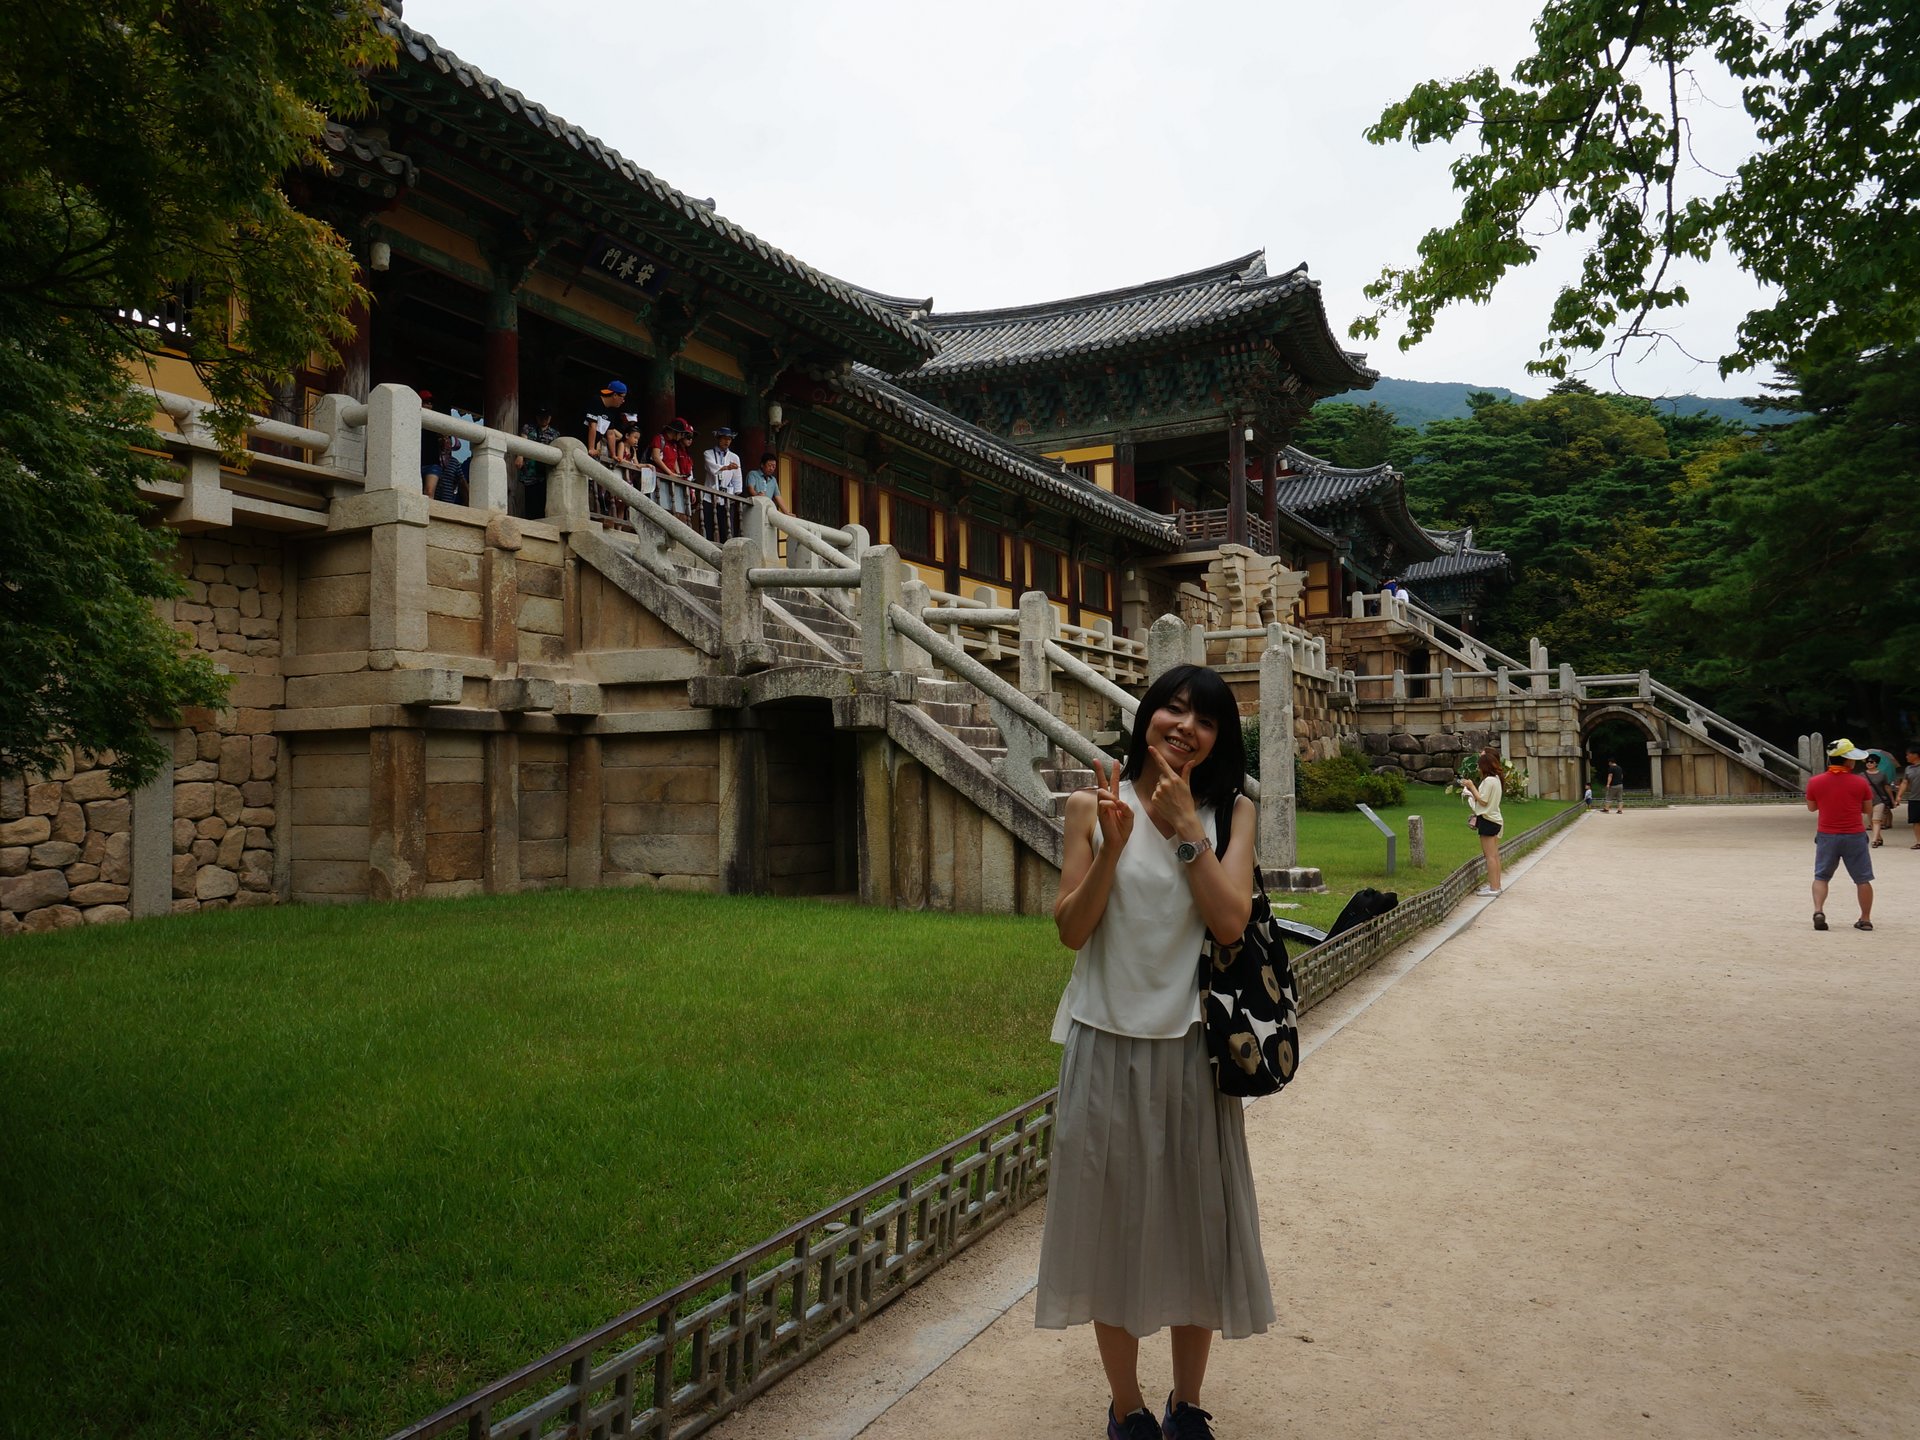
<point>1765,570</point>
<point>1417,402</point>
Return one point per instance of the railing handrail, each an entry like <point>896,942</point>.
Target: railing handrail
<point>795,524</point>
<point>185,412</point>
<point>675,527</point>
<point>1765,747</point>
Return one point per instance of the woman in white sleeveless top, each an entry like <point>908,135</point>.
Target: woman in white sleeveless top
<point>1151,1220</point>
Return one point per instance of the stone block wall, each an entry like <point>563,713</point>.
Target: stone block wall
<point>66,850</point>
<point>208,824</point>
<point>1434,759</point>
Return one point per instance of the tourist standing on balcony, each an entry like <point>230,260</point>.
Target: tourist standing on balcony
<point>1483,799</point>
<point>764,479</point>
<point>435,456</point>
<point>720,470</point>
<point>607,426</point>
<point>673,463</point>
<point>453,482</point>
<point>1841,797</point>
<point>1151,1218</point>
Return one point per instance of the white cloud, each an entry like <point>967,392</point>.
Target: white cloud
<point>997,153</point>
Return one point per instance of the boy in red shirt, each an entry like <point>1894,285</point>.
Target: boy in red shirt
<point>1841,797</point>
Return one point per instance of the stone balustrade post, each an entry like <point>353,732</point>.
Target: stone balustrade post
<point>567,486</point>
<point>1646,685</point>
<point>1278,841</point>
<point>743,619</point>
<point>1359,606</point>
<point>1416,842</point>
<point>1399,684</point>
<point>880,586</point>
<point>1540,664</point>
<point>1196,644</point>
<point>1569,682</point>
<point>487,476</point>
<point>755,526</point>
<point>860,543</point>
<point>1166,646</point>
<point>916,595</point>
<point>1037,626</point>
<point>346,450</point>
<point>1500,685</point>
<point>393,439</point>
<point>1446,682</point>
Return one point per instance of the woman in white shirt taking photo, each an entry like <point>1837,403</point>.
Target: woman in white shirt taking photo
<point>1151,1219</point>
<point>1483,799</point>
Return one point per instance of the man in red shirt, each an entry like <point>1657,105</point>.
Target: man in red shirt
<point>1842,798</point>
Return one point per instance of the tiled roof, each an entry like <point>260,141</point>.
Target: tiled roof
<point>1315,486</point>
<point>870,396</point>
<point>418,49</point>
<point>1459,559</point>
<point>345,145</point>
<point>1220,299</point>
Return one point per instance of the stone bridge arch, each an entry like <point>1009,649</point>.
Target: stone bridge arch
<point>1594,715</point>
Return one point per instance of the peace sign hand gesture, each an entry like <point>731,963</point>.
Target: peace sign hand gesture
<point>1171,798</point>
<point>1115,815</point>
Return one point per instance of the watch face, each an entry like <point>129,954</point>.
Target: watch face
<point>1186,852</point>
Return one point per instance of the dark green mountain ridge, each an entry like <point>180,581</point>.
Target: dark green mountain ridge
<point>1417,402</point>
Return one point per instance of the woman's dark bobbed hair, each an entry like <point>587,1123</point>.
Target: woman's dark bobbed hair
<point>1217,779</point>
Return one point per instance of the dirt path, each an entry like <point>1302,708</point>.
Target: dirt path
<point>1636,1153</point>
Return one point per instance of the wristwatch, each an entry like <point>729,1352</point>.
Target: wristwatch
<point>1188,851</point>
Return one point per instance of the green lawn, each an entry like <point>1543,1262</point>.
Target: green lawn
<point>313,1172</point>
<point>316,1171</point>
<point>1353,855</point>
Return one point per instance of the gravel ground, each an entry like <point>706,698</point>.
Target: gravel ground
<point>1631,1153</point>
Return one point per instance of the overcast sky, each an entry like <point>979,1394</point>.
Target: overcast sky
<point>998,153</point>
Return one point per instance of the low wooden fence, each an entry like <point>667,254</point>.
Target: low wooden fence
<point>679,1364</point>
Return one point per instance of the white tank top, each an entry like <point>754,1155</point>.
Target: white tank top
<point>1138,973</point>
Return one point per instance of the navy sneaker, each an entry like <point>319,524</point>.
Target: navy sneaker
<point>1137,1426</point>
<point>1185,1422</point>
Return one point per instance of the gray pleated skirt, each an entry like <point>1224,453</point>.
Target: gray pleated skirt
<point>1151,1219</point>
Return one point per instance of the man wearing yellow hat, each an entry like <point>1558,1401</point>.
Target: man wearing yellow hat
<point>1841,798</point>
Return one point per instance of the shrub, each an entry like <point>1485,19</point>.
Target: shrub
<point>1344,781</point>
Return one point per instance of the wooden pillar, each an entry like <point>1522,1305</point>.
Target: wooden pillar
<point>501,359</point>
<point>1123,470</point>
<point>1236,483</point>
<point>950,549</point>
<point>658,408</point>
<point>752,440</point>
<point>355,376</point>
<point>1270,496</point>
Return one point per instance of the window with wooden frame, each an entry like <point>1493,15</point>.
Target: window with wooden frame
<point>1050,572</point>
<point>820,495</point>
<point>1096,588</point>
<point>986,559</point>
<point>912,528</point>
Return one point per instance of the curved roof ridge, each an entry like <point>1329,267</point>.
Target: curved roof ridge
<point>425,50</point>
<point>1247,268</point>
<point>1312,464</point>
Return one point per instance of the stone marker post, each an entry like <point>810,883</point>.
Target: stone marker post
<point>1037,626</point>
<point>1416,842</point>
<point>1278,833</point>
<point>879,588</point>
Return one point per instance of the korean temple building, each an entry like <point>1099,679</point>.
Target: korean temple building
<point>1100,448</point>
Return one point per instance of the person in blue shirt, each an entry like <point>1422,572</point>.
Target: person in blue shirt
<point>764,479</point>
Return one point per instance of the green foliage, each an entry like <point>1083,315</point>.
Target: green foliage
<point>1791,596</point>
<point>146,149</point>
<point>1343,781</point>
<point>1589,135</point>
<point>1354,436</point>
<point>1580,491</point>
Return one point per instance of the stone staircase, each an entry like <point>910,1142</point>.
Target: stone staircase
<point>964,713</point>
<point>805,606</point>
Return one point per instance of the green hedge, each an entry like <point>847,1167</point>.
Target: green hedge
<point>1343,782</point>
